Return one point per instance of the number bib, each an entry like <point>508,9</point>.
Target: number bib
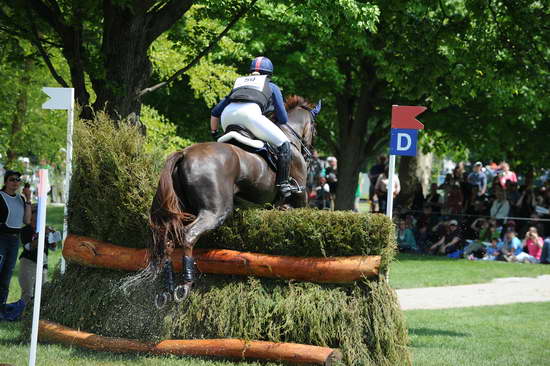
<point>256,82</point>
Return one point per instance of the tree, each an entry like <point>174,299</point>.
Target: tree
<point>107,42</point>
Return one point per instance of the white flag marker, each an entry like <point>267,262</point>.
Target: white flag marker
<point>63,98</point>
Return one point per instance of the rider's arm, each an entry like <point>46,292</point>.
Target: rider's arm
<point>218,109</point>
<point>280,111</point>
<point>214,123</point>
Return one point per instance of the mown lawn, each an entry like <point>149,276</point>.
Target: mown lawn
<point>410,271</point>
<point>498,335</point>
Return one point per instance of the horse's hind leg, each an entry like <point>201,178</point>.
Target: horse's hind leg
<point>206,220</point>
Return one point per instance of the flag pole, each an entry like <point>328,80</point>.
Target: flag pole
<point>389,200</point>
<point>68,173</point>
<point>41,229</point>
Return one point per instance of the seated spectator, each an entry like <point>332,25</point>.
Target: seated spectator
<point>450,242</point>
<point>476,227</point>
<point>533,243</point>
<point>545,253</point>
<point>511,247</point>
<point>500,207</point>
<point>423,238</point>
<point>428,218</point>
<point>405,238</point>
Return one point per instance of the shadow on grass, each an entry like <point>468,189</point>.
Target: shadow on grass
<point>422,257</point>
<point>436,332</point>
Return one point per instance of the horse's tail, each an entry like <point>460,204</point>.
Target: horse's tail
<point>167,218</point>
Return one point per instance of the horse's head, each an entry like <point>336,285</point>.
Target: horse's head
<point>301,118</point>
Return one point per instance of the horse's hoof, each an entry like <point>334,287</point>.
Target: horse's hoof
<point>162,299</point>
<point>182,292</point>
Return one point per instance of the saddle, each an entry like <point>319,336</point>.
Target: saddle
<point>243,138</point>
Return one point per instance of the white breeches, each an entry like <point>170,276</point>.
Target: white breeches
<point>249,116</point>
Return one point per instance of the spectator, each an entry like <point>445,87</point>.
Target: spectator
<point>478,178</point>
<point>374,173</point>
<point>453,205</point>
<point>545,253</point>
<point>381,188</point>
<point>450,242</point>
<point>513,195</point>
<point>15,212</point>
<point>405,238</point>
<point>506,174</point>
<point>500,207</point>
<point>434,199</point>
<point>533,243</point>
<point>418,199</point>
<point>322,195</point>
<point>331,173</point>
<point>510,248</point>
<point>29,256</point>
<point>423,238</point>
<point>314,172</point>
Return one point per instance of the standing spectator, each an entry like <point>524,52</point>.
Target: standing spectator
<point>434,199</point>
<point>501,206</point>
<point>454,204</point>
<point>533,243</point>
<point>478,178</point>
<point>374,173</point>
<point>322,195</point>
<point>314,172</point>
<point>29,256</point>
<point>506,174</point>
<point>545,253</point>
<point>513,195</point>
<point>15,212</point>
<point>331,173</point>
<point>381,188</point>
<point>418,199</point>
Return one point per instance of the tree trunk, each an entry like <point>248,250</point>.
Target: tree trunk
<point>408,180</point>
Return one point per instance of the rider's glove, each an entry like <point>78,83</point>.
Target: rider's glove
<point>215,135</point>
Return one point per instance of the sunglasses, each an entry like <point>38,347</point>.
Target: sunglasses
<point>14,179</point>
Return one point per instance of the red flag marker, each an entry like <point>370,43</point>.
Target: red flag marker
<point>403,116</point>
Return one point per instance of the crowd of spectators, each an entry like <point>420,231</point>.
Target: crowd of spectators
<point>483,214</point>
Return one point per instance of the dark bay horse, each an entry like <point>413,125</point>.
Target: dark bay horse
<point>198,185</point>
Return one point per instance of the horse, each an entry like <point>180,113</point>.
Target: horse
<point>198,185</point>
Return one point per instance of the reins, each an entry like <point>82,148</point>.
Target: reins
<point>303,148</point>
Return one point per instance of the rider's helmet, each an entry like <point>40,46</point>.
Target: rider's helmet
<point>262,65</point>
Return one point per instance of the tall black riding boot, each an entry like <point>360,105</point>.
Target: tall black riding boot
<point>189,270</point>
<point>283,170</point>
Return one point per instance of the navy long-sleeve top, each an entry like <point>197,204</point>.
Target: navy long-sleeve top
<point>277,100</point>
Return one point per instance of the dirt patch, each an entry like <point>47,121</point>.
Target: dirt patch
<point>497,292</point>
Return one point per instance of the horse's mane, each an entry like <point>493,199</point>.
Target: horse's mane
<point>294,101</point>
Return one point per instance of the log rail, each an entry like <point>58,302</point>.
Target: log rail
<point>95,253</point>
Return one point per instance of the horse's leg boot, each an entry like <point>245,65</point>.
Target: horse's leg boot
<point>168,274</point>
<point>189,270</point>
<point>283,170</point>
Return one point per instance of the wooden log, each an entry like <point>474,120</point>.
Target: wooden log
<point>224,348</point>
<point>91,252</point>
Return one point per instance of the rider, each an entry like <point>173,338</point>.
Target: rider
<point>251,99</point>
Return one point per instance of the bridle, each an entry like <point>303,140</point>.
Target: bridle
<point>304,148</point>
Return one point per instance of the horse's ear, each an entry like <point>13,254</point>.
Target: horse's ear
<point>315,111</point>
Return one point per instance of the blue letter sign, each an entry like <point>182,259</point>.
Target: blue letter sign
<point>403,141</point>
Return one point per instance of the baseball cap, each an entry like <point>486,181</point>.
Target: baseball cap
<point>10,173</point>
<point>478,163</point>
<point>453,222</point>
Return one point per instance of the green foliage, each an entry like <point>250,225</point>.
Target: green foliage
<point>114,179</point>
<point>161,133</point>
<point>306,233</point>
<point>364,321</point>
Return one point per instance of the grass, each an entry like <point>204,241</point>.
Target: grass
<point>410,271</point>
<point>506,335</point>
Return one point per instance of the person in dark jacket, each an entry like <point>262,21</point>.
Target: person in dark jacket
<point>15,212</point>
<point>252,98</point>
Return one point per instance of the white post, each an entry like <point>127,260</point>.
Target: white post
<point>389,201</point>
<point>41,226</point>
<point>68,173</point>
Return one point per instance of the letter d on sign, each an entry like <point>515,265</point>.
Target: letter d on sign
<point>403,141</point>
